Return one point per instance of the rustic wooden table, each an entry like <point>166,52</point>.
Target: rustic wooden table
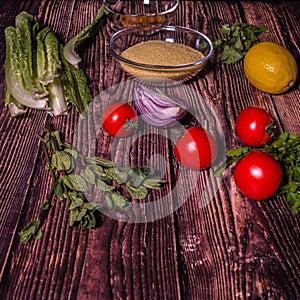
<point>229,248</point>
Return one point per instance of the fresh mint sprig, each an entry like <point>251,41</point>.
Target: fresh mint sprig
<point>70,186</point>
<point>240,37</point>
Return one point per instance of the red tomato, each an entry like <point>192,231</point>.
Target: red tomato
<point>257,175</point>
<point>254,126</point>
<point>196,149</point>
<point>119,119</point>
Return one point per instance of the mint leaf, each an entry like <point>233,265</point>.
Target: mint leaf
<point>153,183</point>
<point>62,161</point>
<point>137,192</point>
<point>119,200</point>
<point>240,38</point>
<point>31,231</point>
<point>75,182</point>
<point>104,186</point>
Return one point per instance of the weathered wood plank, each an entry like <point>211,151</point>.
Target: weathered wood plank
<point>217,246</point>
<point>230,251</point>
<point>15,155</point>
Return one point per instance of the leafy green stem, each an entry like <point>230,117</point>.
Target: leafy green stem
<point>285,148</point>
<point>32,229</point>
<point>73,187</point>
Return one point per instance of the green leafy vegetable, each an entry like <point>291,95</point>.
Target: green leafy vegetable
<point>31,231</point>
<point>26,29</point>
<point>57,97</point>
<point>16,89</point>
<point>70,186</point>
<point>48,60</point>
<point>83,35</point>
<point>286,150</point>
<point>240,38</point>
<point>15,108</point>
<point>75,84</point>
<point>37,74</point>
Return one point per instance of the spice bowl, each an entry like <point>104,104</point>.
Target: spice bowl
<point>161,52</point>
<point>127,13</point>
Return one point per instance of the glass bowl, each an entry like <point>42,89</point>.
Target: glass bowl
<point>169,52</point>
<point>127,13</point>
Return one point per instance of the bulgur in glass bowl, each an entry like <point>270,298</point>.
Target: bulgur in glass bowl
<point>169,52</point>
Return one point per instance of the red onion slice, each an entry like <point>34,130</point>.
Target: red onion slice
<point>159,109</point>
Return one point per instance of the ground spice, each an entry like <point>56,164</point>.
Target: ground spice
<point>157,52</point>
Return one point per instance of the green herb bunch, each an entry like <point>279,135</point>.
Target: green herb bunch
<point>285,148</point>
<point>70,186</point>
<point>240,38</point>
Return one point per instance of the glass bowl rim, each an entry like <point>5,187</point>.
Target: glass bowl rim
<point>172,9</point>
<point>165,28</point>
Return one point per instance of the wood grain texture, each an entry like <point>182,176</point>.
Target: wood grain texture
<point>215,244</point>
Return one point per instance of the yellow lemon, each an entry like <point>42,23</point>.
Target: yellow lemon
<point>270,67</point>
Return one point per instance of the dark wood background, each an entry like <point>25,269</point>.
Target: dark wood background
<point>232,248</point>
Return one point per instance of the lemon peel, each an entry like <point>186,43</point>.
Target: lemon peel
<point>270,68</point>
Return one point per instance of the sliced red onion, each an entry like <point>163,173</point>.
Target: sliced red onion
<point>159,109</point>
